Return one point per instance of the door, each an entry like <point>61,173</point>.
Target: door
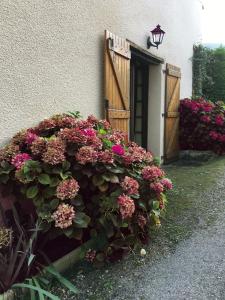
<point>171,136</point>
<point>139,101</point>
<point>117,82</point>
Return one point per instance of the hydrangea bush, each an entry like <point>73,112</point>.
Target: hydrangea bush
<point>84,180</point>
<point>202,125</point>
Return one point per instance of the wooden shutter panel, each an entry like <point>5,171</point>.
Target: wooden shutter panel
<point>171,145</point>
<point>117,81</point>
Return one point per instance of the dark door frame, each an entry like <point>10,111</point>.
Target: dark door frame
<point>138,65</point>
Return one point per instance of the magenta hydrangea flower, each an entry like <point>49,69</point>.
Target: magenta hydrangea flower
<point>219,120</point>
<point>30,137</point>
<point>19,160</point>
<point>221,138</point>
<point>118,149</point>
<point>214,135</point>
<point>64,216</point>
<point>67,189</point>
<point>205,119</point>
<point>167,183</point>
<point>90,132</point>
<point>130,186</point>
<point>156,187</point>
<point>126,206</point>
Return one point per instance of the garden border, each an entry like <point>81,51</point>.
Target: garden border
<point>67,261</point>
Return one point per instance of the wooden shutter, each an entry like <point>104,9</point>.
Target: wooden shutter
<point>117,82</point>
<point>171,145</point>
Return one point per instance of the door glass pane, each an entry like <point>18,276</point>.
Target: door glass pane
<point>139,77</point>
<point>139,93</point>
<point>138,138</point>
<point>138,125</point>
<point>138,109</point>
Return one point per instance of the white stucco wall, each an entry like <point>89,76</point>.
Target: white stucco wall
<point>51,56</point>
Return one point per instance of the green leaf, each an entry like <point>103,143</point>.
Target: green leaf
<point>77,233</point>
<point>81,220</point>
<point>54,181</point>
<point>68,232</point>
<point>32,192</point>
<point>4,178</point>
<point>54,203</point>
<point>31,258</point>
<point>62,279</point>
<point>142,204</point>
<point>114,179</point>
<point>100,256</point>
<point>32,292</point>
<point>44,179</point>
<point>116,170</point>
<point>155,204</point>
<point>66,165</point>
<point>40,294</point>
<point>106,177</point>
<point>49,192</point>
<point>102,131</point>
<point>29,286</point>
<point>104,187</point>
<point>65,176</point>
<point>97,180</point>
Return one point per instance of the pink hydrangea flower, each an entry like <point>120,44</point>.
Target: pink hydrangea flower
<point>73,135</point>
<point>152,173</point>
<point>136,154</point>
<point>130,185</point>
<point>67,189</point>
<point>219,120</point>
<point>156,187</point>
<point>86,154</point>
<point>64,216</point>
<point>55,153</point>
<point>117,137</point>
<point>126,206</point>
<point>205,119</point>
<point>118,149</point>
<point>167,184</point>
<point>106,157</point>
<point>141,220</point>
<point>19,160</point>
<point>30,137</point>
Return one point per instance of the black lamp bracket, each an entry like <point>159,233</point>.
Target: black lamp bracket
<point>150,44</point>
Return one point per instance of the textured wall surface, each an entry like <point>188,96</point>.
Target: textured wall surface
<point>51,56</point>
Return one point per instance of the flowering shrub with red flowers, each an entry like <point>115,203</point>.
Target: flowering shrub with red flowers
<point>83,180</point>
<point>202,125</point>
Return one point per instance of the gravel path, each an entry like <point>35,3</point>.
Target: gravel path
<point>194,269</point>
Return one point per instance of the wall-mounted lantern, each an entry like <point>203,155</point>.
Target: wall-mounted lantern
<point>157,37</point>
